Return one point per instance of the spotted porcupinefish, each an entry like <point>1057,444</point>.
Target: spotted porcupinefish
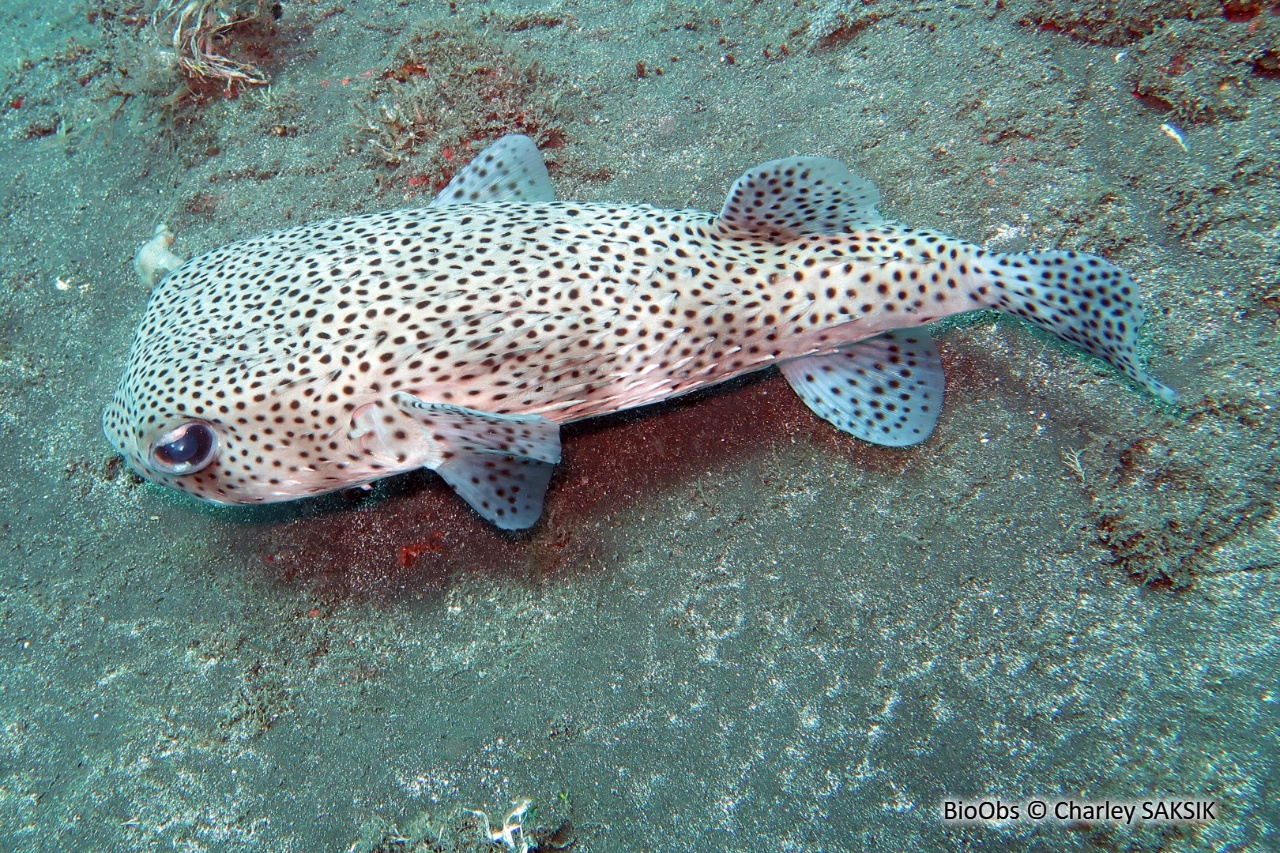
<point>460,336</point>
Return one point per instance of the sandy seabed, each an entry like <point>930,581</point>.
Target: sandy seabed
<point>734,629</point>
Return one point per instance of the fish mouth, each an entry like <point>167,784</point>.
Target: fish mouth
<point>113,417</point>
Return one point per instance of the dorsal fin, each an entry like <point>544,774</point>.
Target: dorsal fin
<point>799,196</point>
<point>510,169</point>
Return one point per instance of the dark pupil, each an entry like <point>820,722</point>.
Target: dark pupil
<point>182,449</point>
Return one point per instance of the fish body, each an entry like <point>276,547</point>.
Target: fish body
<point>459,336</point>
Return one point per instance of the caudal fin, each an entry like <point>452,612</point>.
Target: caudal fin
<point>1080,298</point>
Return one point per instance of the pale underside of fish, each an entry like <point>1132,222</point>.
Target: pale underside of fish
<point>460,336</point>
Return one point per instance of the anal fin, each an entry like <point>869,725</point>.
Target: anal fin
<point>499,464</point>
<point>886,390</point>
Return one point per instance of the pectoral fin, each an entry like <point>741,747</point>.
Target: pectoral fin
<point>499,464</point>
<point>510,169</point>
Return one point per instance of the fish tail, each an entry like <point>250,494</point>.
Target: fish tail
<point>1079,298</point>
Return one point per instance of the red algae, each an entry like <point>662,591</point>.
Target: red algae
<point>415,533</point>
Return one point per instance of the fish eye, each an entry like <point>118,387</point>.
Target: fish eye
<point>185,450</point>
